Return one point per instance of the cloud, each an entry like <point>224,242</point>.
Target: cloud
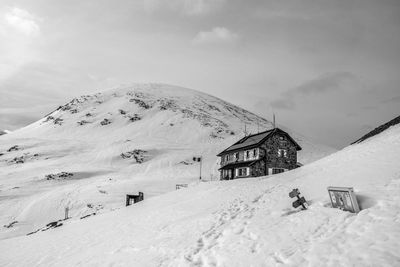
<point>283,104</point>
<point>395,99</point>
<point>326,84</point>
<point>19,30</point>
<point>22,21</point>
<point>185,7</point>
<point>216,35</point>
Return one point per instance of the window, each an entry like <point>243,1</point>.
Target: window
<point>251,154</point>
<point>282,153</point>
<point>236,155</point>
<point>277,170</point>
<point>227,174</point>
<point>240,172</point>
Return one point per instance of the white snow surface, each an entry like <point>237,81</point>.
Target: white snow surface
<point>245,222</point>
<point>168,124</point>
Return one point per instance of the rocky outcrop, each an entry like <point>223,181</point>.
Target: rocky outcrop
<point>137,154</point>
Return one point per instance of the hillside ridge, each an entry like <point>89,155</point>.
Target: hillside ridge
<point>378,130</point>
<point>91,151</point>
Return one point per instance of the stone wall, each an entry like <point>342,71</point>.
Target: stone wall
<point>273,160</point>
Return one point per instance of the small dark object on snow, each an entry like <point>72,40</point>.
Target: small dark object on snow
<point>135,117</point>
<point>54,224</point>
<point>179,186</point>
<point>10,224</point>
<point>82,122</point>
<point>300,200</point>
<point>59,176</point>
<point>58,121</point>
<point>197,159</point>
<point>137,154</point>
<point>105,122</point>
<point>140,103</point>
<point>48,226</point>
<point>18,160</point>
<point>132,199</point>
<point>13,148</point>
<point>91,214</point>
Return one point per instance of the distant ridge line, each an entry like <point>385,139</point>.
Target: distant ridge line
<point>378,130</point>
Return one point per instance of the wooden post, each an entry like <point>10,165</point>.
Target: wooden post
<point>201,160</point>
<point>127,200</point>
<point>66,213</point>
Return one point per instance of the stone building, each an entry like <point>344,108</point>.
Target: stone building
<point>265,153</point>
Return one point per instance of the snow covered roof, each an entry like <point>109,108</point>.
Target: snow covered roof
<point>256,139</point>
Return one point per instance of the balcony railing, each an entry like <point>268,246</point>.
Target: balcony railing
<point>223,163</point>
<point>234,160</point>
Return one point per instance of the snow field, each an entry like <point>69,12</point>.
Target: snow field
<point>175,124</point>
<point>246,222</point>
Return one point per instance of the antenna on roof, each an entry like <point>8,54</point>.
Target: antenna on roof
<point>245,130</point>
<point>274,121</point>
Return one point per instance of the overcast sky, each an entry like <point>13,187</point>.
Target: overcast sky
<point>329,69</point>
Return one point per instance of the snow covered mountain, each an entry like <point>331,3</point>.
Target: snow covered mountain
<point>90,152</point>
<point>244,222</point>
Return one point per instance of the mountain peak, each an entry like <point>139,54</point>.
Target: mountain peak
<point>94,149</point>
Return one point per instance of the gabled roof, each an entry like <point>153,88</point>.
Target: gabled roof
<point>254,140</point>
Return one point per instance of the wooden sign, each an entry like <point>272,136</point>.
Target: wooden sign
<point>343,198</point>
<point>301,201</point>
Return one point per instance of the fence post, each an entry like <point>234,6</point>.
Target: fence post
<point>66,212</point>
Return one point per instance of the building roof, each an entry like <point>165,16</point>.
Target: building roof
<point>256,139</point>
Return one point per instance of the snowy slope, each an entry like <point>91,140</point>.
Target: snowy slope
<point>128,139</point>
<point>246,222</point>
<point>379,129</point>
